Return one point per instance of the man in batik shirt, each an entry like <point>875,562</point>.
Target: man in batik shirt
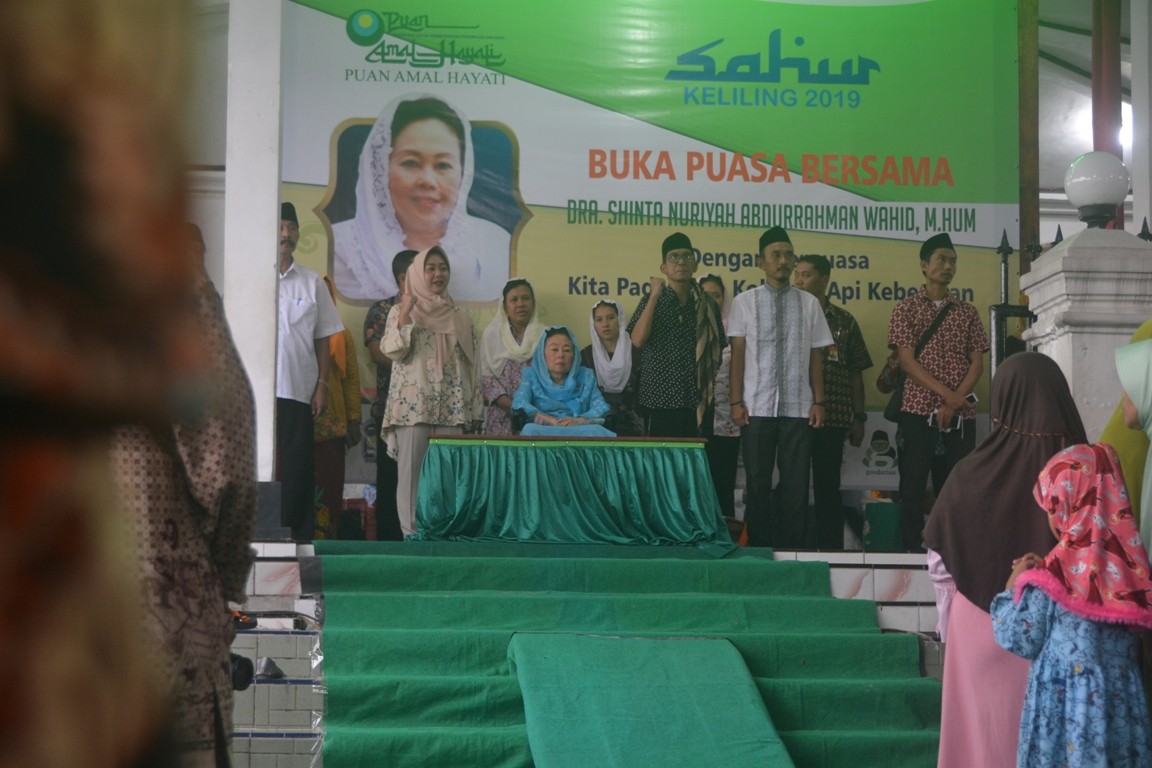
<point>844,415</point>
<point>938,383</point>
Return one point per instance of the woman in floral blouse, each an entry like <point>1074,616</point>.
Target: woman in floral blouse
<point>435,385</point>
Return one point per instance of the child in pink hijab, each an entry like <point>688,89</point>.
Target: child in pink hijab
<point>1075,613</point>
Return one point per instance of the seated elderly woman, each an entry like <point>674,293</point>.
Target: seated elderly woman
<point>557,395</point>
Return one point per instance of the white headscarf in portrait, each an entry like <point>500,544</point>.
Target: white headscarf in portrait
<point>498,343</point>
<point>364,246</point>
<point>612,371</point>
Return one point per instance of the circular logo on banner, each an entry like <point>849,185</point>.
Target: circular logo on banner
<point>365,27</point>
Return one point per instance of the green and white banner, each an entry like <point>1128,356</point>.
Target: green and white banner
<point>589,131</point>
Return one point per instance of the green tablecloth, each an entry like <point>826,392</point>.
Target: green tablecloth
<point>622,491</point>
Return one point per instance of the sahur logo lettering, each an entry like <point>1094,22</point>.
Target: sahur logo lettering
<point>365,27</point>
<point>775,65</point>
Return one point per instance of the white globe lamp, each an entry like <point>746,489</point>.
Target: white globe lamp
<point>1096,184</point>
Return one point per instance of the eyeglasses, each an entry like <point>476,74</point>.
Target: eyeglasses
<point>681,257</point>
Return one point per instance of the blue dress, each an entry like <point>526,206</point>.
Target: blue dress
<point>1085,704</point>
<point>584,400</point>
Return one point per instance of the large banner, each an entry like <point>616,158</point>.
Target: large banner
<point>563,141</point>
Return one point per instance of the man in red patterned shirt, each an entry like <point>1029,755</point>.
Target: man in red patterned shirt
<point>938,380</point>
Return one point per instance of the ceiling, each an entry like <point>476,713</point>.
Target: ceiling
<point>1065,42</point>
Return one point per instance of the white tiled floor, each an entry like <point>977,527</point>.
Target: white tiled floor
<point>277,722</point>
<point>276,577</point>
<point>897,582</point>
<point>853,583</point>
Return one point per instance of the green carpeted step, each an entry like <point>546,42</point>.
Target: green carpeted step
<point>508,748</point>
<point>580,612</point>
<point>846,704</point>
<point>812,705</point>
<point>856,749</point>
<point>412,702</point>
<point>810,653</point>
<point>427,652</point>
<point>539,550</point>
<point>411,573</point>
<point>416,642</point>
<point>350,747</point>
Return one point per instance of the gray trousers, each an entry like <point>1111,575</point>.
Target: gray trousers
<point>411,446</point>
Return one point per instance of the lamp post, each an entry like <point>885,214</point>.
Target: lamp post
<point>1096,184</point>
<point>998,314</point>
<point>1090,292</point>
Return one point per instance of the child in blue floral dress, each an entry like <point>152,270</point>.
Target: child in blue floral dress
<point>1075,614</point>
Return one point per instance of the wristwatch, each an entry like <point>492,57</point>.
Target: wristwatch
<point>861,417</point>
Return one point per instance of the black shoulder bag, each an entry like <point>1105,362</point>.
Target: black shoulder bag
<point>892,410</point>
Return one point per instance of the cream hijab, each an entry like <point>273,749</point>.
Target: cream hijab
<point>499,345</point>
<point>439,314</point>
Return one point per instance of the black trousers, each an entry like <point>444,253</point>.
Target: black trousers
<point>296,467</point>
<point>387,516</point>
<point>672,422</point>
<point>723,454</point>
<point>827,458</point>
<point>916,460</point>
<point>777,519</point>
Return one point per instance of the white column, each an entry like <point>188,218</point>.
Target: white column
<point>1141,168</point>
<point>1090,293</point>
<point>205,123</point>
<point>252,203</point>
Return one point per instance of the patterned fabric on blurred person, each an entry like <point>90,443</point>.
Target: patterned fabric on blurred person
<point>190,493</point>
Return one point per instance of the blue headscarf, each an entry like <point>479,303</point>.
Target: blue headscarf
<point>568,392</point>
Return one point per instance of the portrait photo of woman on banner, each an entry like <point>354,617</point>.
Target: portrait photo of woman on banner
<point>416,173</point>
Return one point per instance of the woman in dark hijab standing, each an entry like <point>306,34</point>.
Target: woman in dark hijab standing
<point>986,516</point>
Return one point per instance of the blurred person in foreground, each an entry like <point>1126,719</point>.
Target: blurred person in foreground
<point>190,492</point>
<point>96,329</point>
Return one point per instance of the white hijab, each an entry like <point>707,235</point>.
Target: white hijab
<point>499,345</point>
<point>365,245</point>
<point>612,371</point>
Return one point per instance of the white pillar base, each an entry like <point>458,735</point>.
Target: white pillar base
<point>1090,293</point>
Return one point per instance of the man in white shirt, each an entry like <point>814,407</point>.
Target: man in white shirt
<point>777,392</point>
<point>307,317</point>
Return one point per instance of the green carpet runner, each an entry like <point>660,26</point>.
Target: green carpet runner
<point>641,703</point>
<point>416,642</point>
